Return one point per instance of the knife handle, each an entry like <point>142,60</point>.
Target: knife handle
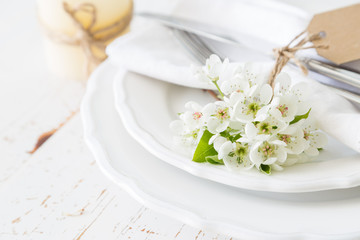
<point>348,95</point>
<point>340,74</point>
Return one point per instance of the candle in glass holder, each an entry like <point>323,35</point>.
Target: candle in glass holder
<point>70,60</point>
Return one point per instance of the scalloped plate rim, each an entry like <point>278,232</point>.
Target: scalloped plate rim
<point>129,185</point>
<point>215,174</point>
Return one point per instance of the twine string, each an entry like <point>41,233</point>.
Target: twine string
<point>284,54</point>
<point>89,39</point>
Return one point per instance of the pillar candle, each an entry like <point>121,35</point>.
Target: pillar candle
<point>68,61</point>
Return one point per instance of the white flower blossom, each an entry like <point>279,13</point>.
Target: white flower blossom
<point>190,126</point>
<point>186,135</point>
<point>284,108</point>
<point>314,138</point>
<point>267,130</point>
<point>252,124</point>
<point>283,87</point>
<point>193,117</point>
<point>268,153</point>
<point>212,70</point>
<point>235,155</point>
<point>251,102</point>
<point>219,116</point>
<point>294,139</point>
<point>233,81</point>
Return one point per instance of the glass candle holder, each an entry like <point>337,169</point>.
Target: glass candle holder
<point>67,56</point>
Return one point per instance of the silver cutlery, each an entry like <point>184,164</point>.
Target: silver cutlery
<point>201,51</point>
<point>188,32</point>
<point>340,74</point>
<point>198,28</point>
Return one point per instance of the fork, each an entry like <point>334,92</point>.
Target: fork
<point>201,51</point>
<point>195,45</point>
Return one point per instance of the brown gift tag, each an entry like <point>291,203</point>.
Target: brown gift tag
<point>342,33</point>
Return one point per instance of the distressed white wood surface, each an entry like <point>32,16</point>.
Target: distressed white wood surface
<point>58,192</point>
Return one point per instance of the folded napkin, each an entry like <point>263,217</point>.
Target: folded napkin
<point>153,50</point>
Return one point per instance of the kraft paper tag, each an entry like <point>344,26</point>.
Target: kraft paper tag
<point>341,29</point>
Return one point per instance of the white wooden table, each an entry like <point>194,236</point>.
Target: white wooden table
<point>58,192</point>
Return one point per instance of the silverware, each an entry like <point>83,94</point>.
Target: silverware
<point>249,42</point>
<point>195,46</point>
<point>188,33</point>
<point>198,28</point>
<point>201,51</point>
<point>346,94</point>
<point>342,75</point>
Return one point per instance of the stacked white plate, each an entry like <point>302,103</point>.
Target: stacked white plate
<point>126,118</point>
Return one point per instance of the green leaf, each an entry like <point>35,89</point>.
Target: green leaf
<point>299,117</point>
<point>203,149</point>
<point>256,123</point>
<point>225,134</point>
<point>235,137</point>
<point>265,169</point>
<point>320,149</point>
<point>214,160</point>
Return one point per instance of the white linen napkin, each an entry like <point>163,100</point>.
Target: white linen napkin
<point>153,50</point>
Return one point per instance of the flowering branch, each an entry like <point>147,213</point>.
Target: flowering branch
<point>254,125</point>
<point>218,88</point>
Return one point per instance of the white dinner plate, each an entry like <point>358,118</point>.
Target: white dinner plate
<point>147,107</point>
<point>205,204</point>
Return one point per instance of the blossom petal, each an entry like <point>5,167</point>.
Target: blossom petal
<point>208,110</point>
<point>319,140</point>
<point>222,126</point>
<point>282,84</point>
<point>276,113</point>
<point>301,90</point>
<point>250,130</point>
<point>312,151</point>
<point>303,107</point>
<point>255,156</point>
<point>281,155</point>
<point>218,142</point>
<point>225,149</point>
<point>270,161</point>
<point>227,87</point>
<point>262,114</point>
<point>278,142</point>
<point>213,138</point>
<point>189,120</point>
<point>193,106</point>
<point>266,93</point>
<point>213,124</point>
<point>235,97</point>
<point>297,146</point>
<point>236,125</point>
<point>291,160</point>
<point>290,130</point>
<point>276,167</point>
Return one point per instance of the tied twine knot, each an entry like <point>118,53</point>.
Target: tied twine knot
<point>93,42</point>
<point>284,54</point>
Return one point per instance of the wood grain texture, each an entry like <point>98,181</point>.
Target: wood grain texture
<point>58,192</point>
<point>61,194</point>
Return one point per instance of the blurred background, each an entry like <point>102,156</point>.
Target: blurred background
<point>41,87</point>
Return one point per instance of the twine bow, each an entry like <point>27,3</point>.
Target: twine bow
<point>284,54</point>
<point>90,40</point>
